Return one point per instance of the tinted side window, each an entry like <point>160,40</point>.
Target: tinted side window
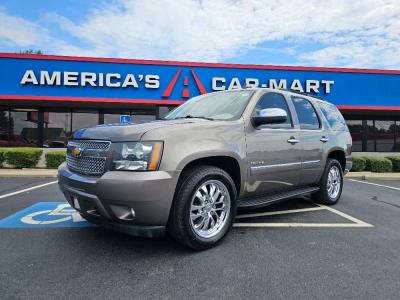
<point>273,100</point>
<point>333,116</point>
<point>306,113</point>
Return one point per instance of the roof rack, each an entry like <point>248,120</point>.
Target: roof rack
<point>303,93</point>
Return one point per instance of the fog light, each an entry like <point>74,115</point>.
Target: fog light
<point>124,213</point>
<point>128,216</point>
<point>76,203</point>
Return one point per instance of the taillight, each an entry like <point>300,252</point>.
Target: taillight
<point>351,144</point>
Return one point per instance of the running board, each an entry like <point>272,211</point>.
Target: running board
<point>256,202</point>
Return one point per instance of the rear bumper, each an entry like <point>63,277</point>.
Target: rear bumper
<point>137,203</point>
<point>349,164</point>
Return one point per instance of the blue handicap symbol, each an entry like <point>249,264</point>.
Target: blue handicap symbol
<point>125,119</point>
<point>45,214</point>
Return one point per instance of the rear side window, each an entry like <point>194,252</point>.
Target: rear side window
<point>333,116</point>
<point>306,113</point>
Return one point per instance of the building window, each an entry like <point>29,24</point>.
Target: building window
<point>23,126</point>
<point>4,118</point>
<point>110,117</point>
<point>356,131</point>
<point>397,137</point>
<point>84,119</point>
<point>56,129</point>
<point>137,117</point>
<point>164,110</point>
<point>384,135</point>
<point>369,138</point>
<point>375,135</point>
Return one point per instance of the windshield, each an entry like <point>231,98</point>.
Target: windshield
<point>215,106</point>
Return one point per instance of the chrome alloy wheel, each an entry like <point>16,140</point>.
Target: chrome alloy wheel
<point>334,182</point>
<point>210,208</point>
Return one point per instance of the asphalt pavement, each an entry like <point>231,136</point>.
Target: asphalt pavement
<point>291,260</point>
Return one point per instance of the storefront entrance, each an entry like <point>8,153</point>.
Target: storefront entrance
<point>51,127</point>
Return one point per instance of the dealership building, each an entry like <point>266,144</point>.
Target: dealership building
<point>44,98</point>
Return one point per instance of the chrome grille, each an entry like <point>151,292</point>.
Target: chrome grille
<point>87,165</point>
<point>87,156</point>
<point>92,145</point>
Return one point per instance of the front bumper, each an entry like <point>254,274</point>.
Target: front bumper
<point>136,203</point>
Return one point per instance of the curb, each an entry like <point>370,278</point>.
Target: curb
<point>4,173</point>
<point>374,176</point>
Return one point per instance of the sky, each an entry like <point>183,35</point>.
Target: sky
<point>329,33</point>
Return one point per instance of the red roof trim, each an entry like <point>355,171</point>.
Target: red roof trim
<point>156,101</point>
<point>194,64</point>
<point>86,99</point>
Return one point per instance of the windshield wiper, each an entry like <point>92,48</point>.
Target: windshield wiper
<point>194,117</point>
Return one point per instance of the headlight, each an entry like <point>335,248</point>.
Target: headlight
<point>138,156</point>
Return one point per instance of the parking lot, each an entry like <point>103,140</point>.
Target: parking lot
<point>293,250</point>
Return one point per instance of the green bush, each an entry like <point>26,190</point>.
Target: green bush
<point>395,162</point>
<point>380,164</point>
<point>54,159</point>
<point>367,163</point>
<point>359,164</point>
<point>22,157</point>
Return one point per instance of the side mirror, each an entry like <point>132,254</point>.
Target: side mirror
<point>270,116</point>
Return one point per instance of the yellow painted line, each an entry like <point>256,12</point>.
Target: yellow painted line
<point>281,212</point>
<point>346,216</point>
<point>304,225</point>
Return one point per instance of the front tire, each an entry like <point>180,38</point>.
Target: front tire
<point>331,183</point>
<point>204,207</point>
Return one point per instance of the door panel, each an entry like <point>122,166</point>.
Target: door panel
<point>310,137</point>
<point>275,163</point>
<point>312,163</point>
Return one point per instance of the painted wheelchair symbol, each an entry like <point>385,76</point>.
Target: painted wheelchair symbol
<point>62,213</point>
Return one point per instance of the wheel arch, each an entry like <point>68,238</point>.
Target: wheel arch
<point>228,163</point>
<point>339,155</point>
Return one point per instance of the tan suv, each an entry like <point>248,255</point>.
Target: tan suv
<point>189,173</point>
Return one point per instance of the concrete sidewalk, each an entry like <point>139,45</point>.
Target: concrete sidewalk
<point>371,175</point>
<point>28,173</point>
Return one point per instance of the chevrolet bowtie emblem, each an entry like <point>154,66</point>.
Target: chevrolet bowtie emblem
<point>76,152</point>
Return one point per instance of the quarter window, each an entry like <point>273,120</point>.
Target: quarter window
<point>273,100</point>
<point>333,116</point>
<point>306,113</point>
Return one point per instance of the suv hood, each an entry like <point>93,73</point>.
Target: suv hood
<point>127,132</point>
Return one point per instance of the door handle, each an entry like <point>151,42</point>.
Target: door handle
<point>324,139</point>
<point>292,140</point>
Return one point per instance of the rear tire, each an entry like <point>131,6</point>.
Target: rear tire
<point>204,207</point>
<point>331,183</point>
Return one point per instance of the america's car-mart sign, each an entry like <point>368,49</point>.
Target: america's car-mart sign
<point>42,77</point>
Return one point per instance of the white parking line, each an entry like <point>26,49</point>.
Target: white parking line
<point>315,225</point>
<point>346,216</point>
<point>27,190</point>
<point>376,184</point>
<point>281,212</point>
<point>355,222</point>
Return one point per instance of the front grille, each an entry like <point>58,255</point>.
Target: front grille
<point>90,145</point>
<point>87,165</point>
<point>87,157</point>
